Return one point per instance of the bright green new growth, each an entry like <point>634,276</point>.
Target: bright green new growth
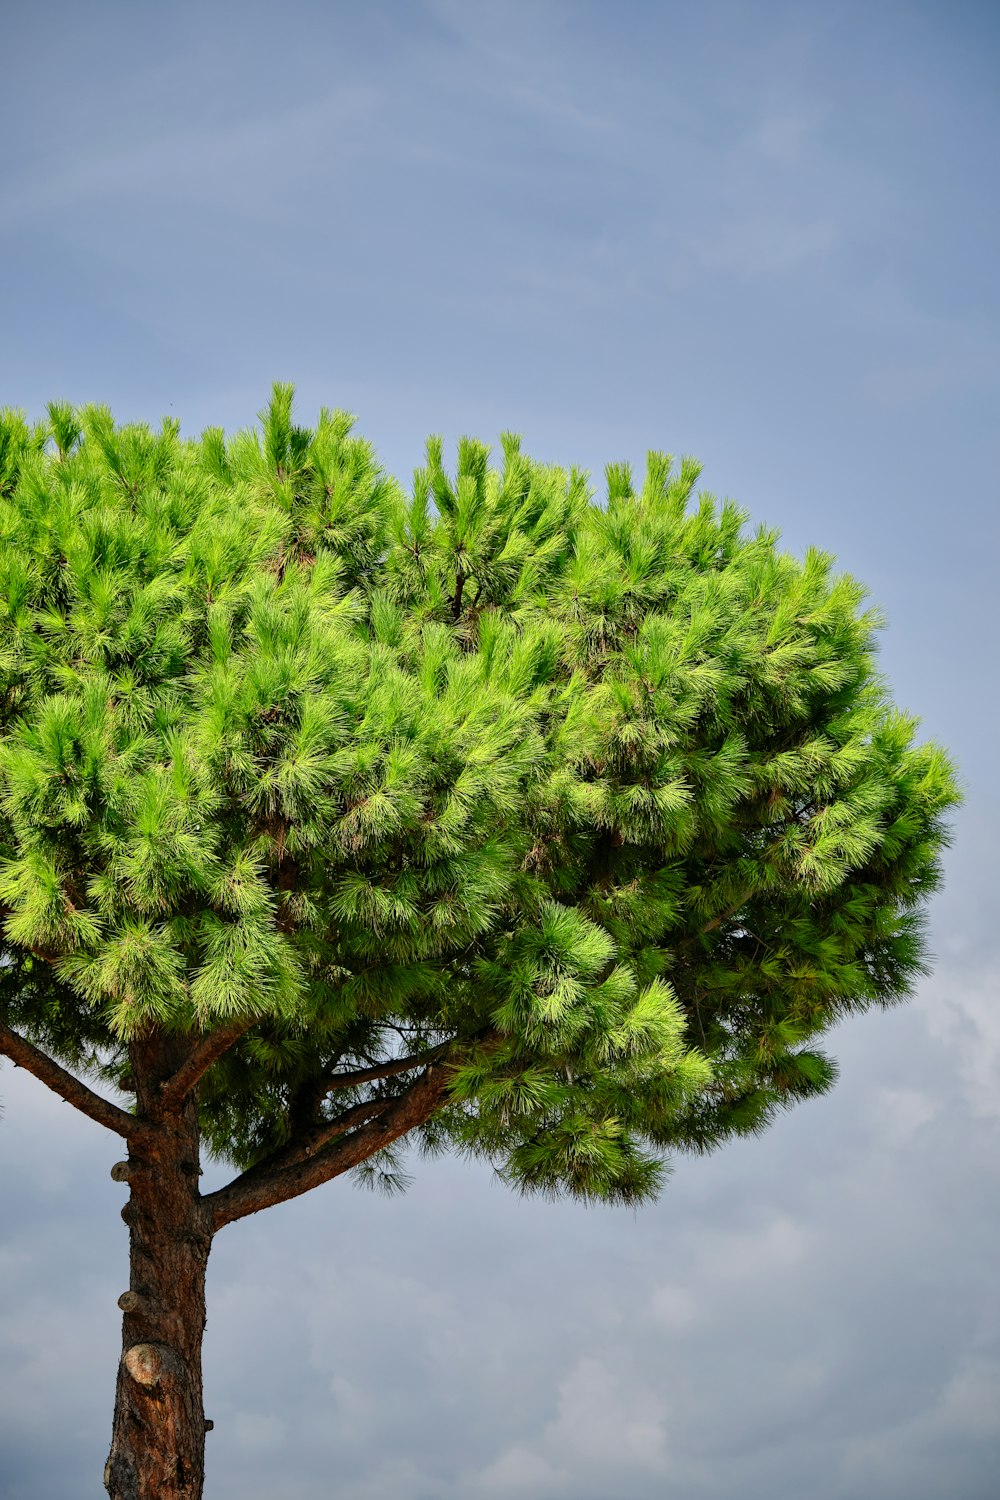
<point>604,802</point>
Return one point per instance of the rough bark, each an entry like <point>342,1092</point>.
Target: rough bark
<point>158,1438</point>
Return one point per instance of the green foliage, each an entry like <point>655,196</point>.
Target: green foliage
<point>608,797</point>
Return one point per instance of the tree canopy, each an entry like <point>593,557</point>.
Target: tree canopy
<point>552,829</point>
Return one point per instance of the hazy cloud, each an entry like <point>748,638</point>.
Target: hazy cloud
<point>762,234</point>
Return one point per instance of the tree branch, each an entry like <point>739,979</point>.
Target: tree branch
<point>456,605</point>
<point>723,916</point>
<point>175,1089</point>
<point>311,1142</point>
<point>304,1116</point>
<point>303,1148</point>
<point>23,1054</point>
<point>268,1184</point>
<point>389,1069</point>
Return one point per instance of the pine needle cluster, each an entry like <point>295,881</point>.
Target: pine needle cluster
<point>602,807</point>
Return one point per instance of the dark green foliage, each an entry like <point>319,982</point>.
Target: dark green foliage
<point>607,801</point>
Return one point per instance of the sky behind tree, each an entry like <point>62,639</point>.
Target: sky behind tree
<point>766,235</point>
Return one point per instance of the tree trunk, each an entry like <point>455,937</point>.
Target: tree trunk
<point>158,1438</point>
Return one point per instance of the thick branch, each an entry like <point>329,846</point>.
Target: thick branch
<point>174,1090</point>
<point>266,1185</point>
<point>24,1055</point>
<point>382,1070</point>
<point>310,1096</point>
<point>311,1141</point>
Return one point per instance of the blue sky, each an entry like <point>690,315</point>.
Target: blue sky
<point>766,234</point>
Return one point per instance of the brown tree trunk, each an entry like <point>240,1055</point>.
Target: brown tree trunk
<point>158,1438</point>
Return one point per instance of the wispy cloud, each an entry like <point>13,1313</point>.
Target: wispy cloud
<point>242,169</point>
<point>961,1009</point>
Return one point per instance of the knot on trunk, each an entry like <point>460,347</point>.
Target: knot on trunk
<point>135,1302</point>
<point>148,1364</point>
<point>120,1172</point>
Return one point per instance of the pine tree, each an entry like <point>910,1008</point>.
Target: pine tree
<point>485,817</point>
